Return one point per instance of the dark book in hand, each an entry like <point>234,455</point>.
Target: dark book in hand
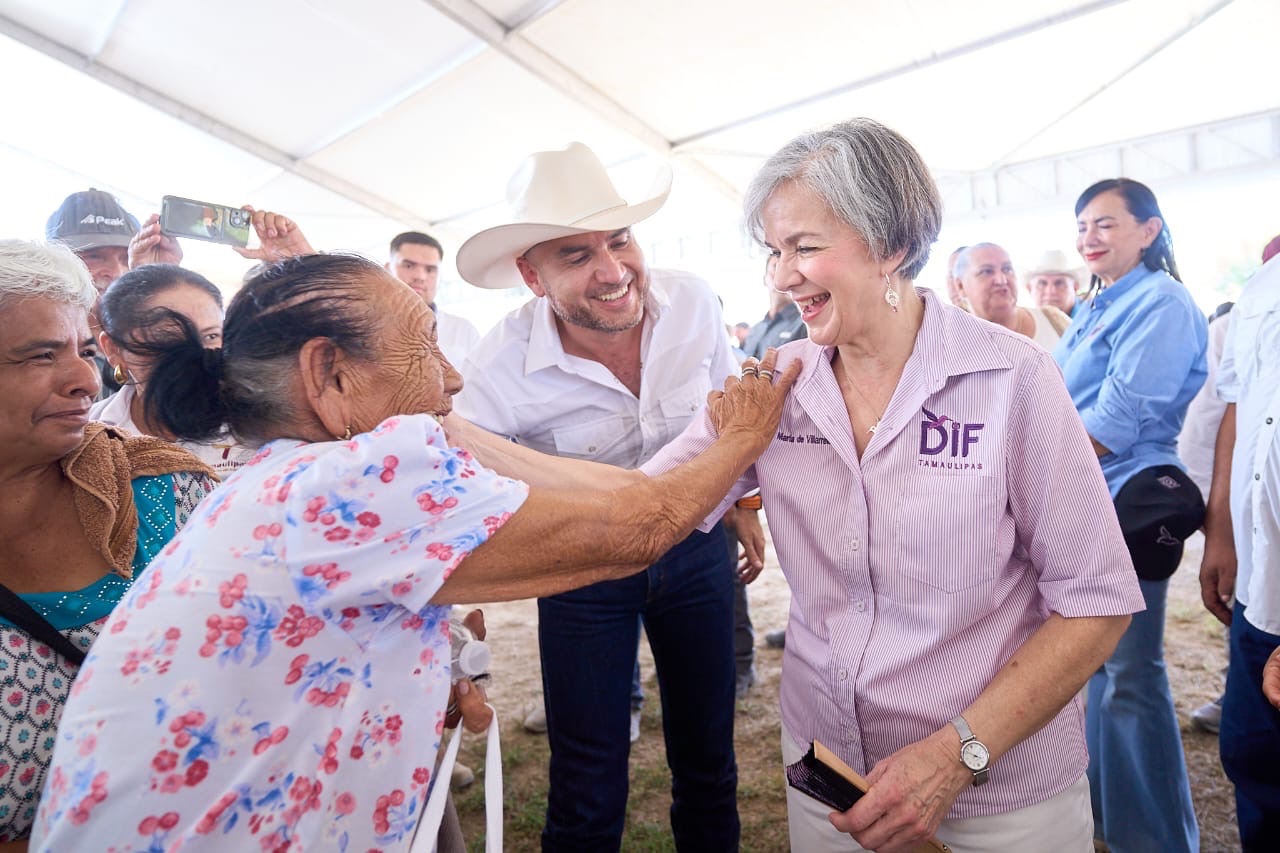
<point>822,775</point>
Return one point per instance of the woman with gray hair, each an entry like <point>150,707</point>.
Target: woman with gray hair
<point>925,489</point>
<point>82,508</point>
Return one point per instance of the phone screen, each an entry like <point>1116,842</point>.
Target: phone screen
<point>199,220</point>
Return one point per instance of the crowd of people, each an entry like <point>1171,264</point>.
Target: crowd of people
<point>235,538</point>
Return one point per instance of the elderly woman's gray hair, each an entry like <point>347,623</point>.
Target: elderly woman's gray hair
<point>43,270</point>
<point>870,177</point>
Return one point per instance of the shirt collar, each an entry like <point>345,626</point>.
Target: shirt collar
<point>1122,285</point>
<point>545,346</point>
<point>951,342</point>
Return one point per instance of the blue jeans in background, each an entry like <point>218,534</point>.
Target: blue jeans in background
<point>1137,772</point>
<point>588,643</point>
<point>1249,738</point>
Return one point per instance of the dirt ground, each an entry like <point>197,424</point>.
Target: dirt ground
<point>1194,651</point>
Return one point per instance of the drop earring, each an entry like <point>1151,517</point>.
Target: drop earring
<point>890,295</point>
<point>119,375</point>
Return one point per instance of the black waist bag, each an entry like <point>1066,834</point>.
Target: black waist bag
<point>1158,509</point>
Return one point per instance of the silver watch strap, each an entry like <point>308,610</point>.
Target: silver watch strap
<point>962,726</point>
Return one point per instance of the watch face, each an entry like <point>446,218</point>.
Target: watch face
<point>974,755</point>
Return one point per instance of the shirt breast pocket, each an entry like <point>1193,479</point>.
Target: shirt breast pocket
<point>948,531</point>
<point>599,439</point>
<point>1262,327</point>
<point>681,404</point>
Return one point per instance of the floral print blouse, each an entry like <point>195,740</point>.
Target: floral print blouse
<point>35,680</point>
<point>277,678</point>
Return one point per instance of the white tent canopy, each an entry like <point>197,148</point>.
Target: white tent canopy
<point>360,118</point>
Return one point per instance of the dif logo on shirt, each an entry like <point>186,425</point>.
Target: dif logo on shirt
<point>940,434</point>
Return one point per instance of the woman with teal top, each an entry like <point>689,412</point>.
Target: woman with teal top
<point>83,509</point>
<point>1132,358</point>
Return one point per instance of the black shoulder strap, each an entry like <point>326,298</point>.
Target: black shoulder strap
<point>17,611</point>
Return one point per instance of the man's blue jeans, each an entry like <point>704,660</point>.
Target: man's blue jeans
<point>1250,737</point>
<point>588,647</point>
<point>1137,772</point>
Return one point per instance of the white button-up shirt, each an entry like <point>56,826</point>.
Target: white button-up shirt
<point>1199,434</point>
<point>1249,376</point>
<point>520,382</point>
<point>456,336</point>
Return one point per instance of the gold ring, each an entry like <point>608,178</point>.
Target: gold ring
<point>750,371</point>
<point>765,374</point>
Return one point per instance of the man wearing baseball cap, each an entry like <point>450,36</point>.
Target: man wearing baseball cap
<point>1054,281</point>
<point>95,226</point>
<point>609,362</point>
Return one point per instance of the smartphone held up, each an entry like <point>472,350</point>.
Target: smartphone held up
<point>201,220</point>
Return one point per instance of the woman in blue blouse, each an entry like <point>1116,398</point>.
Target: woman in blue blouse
<point>1133,357</point>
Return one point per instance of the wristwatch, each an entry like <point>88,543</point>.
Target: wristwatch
<point>973,752</point>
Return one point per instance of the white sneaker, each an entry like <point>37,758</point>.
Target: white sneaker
<point>635,726</point>
<point>463,776</point>
<point>535,722</point>
<point>1208,717</point>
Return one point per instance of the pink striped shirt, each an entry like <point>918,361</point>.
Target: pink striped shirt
<point>977,508</point>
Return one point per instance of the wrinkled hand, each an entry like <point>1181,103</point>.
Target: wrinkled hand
<point>149,246</point>
<point>751,535</point>
<point>467,700</point>
<point>1218,576</point>
<point>279,236</point>
<point>752,404</point>
<point>1271,678</point>
<point>911,792</point>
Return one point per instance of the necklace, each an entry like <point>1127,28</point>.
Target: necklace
<point>844,380</point>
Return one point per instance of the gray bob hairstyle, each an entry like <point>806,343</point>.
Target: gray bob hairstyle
<point>870,177</point>
<point>33,270</point>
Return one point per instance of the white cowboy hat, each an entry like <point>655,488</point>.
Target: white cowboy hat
<point>553,194</point>
<point>1054,262</point>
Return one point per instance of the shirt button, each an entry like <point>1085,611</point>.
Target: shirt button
<point>860,605</point>
<point>1269,420</point>
<point>1257,476</point>
<point>591,449</point>
<point>853,546</point>
<point>844,674</point>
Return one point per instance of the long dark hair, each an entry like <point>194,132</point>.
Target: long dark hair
<point>195,393</point>
<point>1141,202</point>
<point>122,309</point>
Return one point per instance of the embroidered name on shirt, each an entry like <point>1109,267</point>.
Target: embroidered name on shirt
<point>941,434</point>
<point>802,439</point>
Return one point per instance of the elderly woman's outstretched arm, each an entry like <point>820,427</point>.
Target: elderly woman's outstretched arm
<point>584,522</point>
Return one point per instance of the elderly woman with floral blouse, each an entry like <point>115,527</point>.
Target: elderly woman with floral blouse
<point>281,678</point>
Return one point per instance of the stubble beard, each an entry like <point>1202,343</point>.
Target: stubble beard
<point>584,318</point>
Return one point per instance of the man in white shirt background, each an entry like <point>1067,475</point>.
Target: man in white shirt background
<point>415,260</point>
<point>609,362</point>
<point>1240,573</point>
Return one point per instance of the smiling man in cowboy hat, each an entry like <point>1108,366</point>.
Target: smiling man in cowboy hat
<point>1054,281</point>
<point>609,362</point>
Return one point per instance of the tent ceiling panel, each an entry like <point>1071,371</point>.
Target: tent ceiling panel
<point>451,148</point>
<point>967,113</point>
<point>363,57</point>
<point>83,25</point>
<point>118,141</point>
<point>395,106</point>
<point>753,55</point>
<point>1226,66</point>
